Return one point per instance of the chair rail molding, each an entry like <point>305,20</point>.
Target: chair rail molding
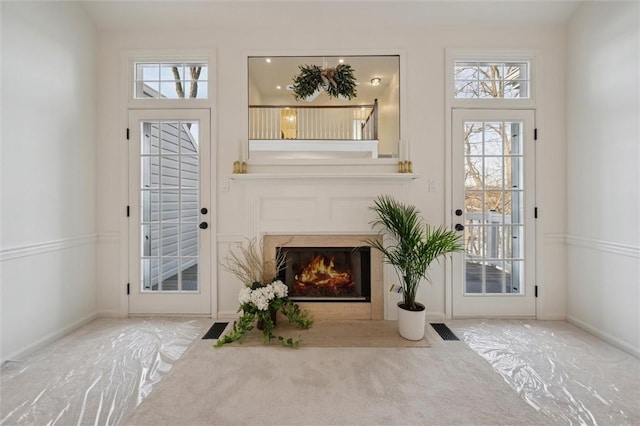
<point>604,246</point>
<point>46,246</point>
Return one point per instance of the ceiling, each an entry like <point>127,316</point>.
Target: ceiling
<point>203,14</point>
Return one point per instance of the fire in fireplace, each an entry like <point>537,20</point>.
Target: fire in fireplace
<point>327,273</point>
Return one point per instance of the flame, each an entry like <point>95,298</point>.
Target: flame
<point>322,277</point>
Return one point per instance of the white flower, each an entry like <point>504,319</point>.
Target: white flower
<point>262,296</point>
<point>280,288</point>
<point>270,293</point>
<point>259,297</point>
<point>245,295</point>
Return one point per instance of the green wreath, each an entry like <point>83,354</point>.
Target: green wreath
<point>338,81</point>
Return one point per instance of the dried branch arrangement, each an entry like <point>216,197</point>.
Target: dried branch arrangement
<point>249,265</point>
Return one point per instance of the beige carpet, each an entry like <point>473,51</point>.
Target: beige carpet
<point>271,385</point>
<point>338,334</point>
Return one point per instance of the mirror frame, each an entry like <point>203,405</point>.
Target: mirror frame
<point>403,121</point>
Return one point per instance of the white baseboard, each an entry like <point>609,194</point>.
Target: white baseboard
<point>228,315</point>
<point>51,337</point>
<point>436,316</point>
<point>604,336</point>
<point>552,317</point>
<point>110,314</point>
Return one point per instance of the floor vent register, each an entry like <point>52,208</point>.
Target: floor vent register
<point>444,331</point>
<point>216,330</point>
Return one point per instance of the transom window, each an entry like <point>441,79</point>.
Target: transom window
<point>170,80</point>
<point>491,80</point>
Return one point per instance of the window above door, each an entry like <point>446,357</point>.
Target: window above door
<point>161,79</point>
<point>171,80</point>
<point>491,80</point>
<point>479,78</point>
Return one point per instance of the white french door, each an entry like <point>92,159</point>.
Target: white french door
<point>493,202</point>
<point>169,196</point>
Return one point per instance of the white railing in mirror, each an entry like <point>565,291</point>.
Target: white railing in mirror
<point>282,128</point>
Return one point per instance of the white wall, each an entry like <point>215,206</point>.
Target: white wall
<point>48,226</point>
<point>388,125</point>
<point>603,134</point>
<point>320,205</point>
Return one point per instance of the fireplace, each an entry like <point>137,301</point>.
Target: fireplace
<point>327,274</point>
<point>331,276</point>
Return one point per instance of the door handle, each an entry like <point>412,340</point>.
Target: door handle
<point>204,225</point>
<point>459,227</point>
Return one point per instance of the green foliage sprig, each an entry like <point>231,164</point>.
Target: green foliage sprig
<point>338,81</point>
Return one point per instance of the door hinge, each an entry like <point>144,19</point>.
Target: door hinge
<point>129,289</point>
<point>535,134</point>
<point>127,133</point>
<point>128,211</point>
<point>536,291</point>
<point>535,213</point>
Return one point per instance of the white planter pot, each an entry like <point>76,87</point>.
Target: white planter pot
<point>411,323</point>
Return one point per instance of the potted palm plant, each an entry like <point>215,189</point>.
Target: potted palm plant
<point>411,247</point>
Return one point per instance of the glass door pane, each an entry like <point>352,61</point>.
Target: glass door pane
<point>493,207</point>
<point>169,189</point>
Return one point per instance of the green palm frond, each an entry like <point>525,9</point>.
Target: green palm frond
<point>413,245</point>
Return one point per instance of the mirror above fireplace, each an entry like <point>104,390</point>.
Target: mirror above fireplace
<point>361,124</point>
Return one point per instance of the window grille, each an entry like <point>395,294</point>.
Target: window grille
<point>491,80</point>
<point>170,80</point>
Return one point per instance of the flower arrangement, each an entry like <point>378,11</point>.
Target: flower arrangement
<point>261,297</point>
<point>260,302</point>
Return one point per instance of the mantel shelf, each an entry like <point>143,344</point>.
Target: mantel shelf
<point>343,176</point>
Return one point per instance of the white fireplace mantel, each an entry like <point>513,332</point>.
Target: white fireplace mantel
<point>389,177</point>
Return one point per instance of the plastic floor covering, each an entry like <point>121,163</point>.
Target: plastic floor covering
<point>100,373</point>
<point>95,375</point>
<point>572,378</point>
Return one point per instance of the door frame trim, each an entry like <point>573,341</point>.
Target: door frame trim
<point>449,194</point>
<point>450,56</point>
<point>118,135</point>
<point>124,255</point>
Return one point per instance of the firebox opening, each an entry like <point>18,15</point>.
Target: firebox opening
<point>327,274</point>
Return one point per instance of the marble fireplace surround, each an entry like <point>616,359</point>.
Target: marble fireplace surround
<point>373,310</point>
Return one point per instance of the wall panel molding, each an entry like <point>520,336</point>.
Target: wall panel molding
<point>46,246</point>
<point>108,237</point>
<point>554,239</point>
<point>603,246</point>
<point>230,238</point>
